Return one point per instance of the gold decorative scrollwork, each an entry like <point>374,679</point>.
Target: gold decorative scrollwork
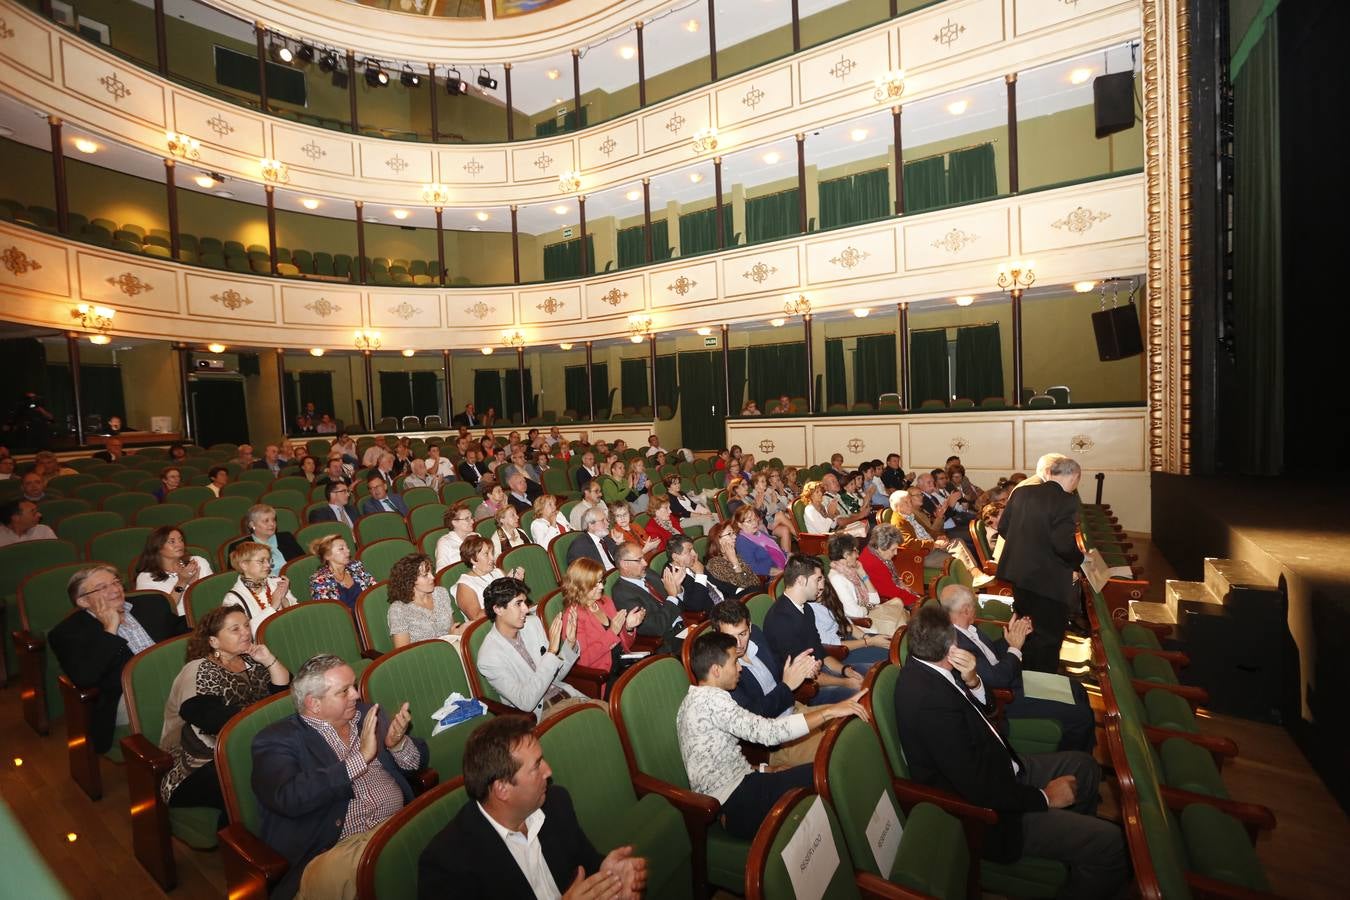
<point>959,445</point>
<point>1080,220</point>
<point>766,446</point>
<point>551,305</point>
<point>682,285</point>
<point>17,262</point>
<point>1081,443</point>
<point>231,299</point>
<point>479,310</point>
<point>753,97</point>
<point>129,284</point>
<point>949,33</point>
<point>849,257</point>
<point>759,272</point>
<point>615,296</point>
<point>404,310</point>
<point>115,86</point>
<point>856,445</point>
<point>955,240</point>
<point>323,307</point>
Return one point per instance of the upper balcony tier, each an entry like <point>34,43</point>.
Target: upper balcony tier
<point>944,50</point>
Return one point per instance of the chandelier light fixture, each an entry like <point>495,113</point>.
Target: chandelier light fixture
<point>367,340</point>
<point>274,171</point>
<point>436,194</point>
<point>183,146</point>
<point>639,327</point>
<point>98,319</point>
<point>1016,277</point>
<point>569,182</point>
<point>797,306</point>
<point>705,140</point>
<point>889,86</point>
<point>513,339</point>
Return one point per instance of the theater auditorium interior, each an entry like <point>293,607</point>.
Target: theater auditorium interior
<point>308,304</point>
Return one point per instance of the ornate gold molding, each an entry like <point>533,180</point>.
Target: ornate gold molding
<point>1167,204</point>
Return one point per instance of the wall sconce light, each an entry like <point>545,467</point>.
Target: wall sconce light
<point>98,319</point>
<point>797,306</point>
<point>274,170</point>
<point>513,339</point>
<point>639,327</point>
<point>565,346</point>
<point>183,146</point>
<point>216,348</point>
<point>436,194</point>
<point>487,351</point>
<point>367,340</point>
<point>889,86</point>
<point>1016,277</point>
<point>316,351</point>
<point>409,352</point>
<point>569,182</point>
<point>705,140</point>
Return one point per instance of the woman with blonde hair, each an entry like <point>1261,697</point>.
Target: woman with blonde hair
<point>258,593</point>
<point>662,525</point>
<point>509,534</point>
<point>548,522</point>
<point>338,577</point>
<point>603,634</point>
<point>817,513</point>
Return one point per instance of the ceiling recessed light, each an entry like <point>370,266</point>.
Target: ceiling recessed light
<point>560,210</point>
<point>400,214</point>
<point>695,177</point>
<point>552,74</point>
<point>487,351</point>
<point>316,351</point>
<point>216,348</point>
<point>958,106</point>
<point>777,323</point>
<point>409,352</point>
<point>481,216</point>
<point>226,194</point>
<point>861,313</point>
<point>564,346</point>
<point>633,195</point>
<point>692,25</point>
<point>771,157</point>
<point>858,134</point>
<point>1083,287</point>
<point>965,300</point>
<point>84,145</point>
<point>205,181</point>
<point>705,331</point>
<point>309,203</point>
<point>1078,76</point>
<point>628,52</point>
<point>72,837</point>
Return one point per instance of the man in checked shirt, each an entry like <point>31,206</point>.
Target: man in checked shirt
<point>327,776</point>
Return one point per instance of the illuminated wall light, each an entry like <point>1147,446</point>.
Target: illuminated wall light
<point>695,177</point>
<point>862,313</point>
<point>72,837</point>
<point>560,210</point>
<point>309,203</point>
<point>84,145</point>
<point>552,74</point>
<point>778,323</point>
<point>204,181</point>
<point>487,351</point>
<point>18,761</point>
<point>957,107</point>
<point>705,331</point>
<point>771,157</point>
<point>627,52</point>
<point>1083,287</point>
<point>99,339</point>
<point>633,195</point>
<point>481,216</point>
<point>1078,76</point>
<point>216,348</point>
<point>316,351</point>
<point>409,352</point>
<point>965,300</point>
<point>400,214</point>
<point>565,346</point>
<point>858,134</point>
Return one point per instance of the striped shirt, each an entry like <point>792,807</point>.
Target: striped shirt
<point>375,794</point>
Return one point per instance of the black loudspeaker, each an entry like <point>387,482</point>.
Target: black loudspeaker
<point>1113,102</point>
<point>1117,331</point>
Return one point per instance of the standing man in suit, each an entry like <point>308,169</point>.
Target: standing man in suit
<point>518,837</point>
<point>637,587</point>
<point>697,593</point>
<point>595,542</point>
<point>381,499</point>
<point>327,776</point>
<point>1046,802</point>
<point>1041,558</point>
<point>106,630</point>
<point>339,508</point>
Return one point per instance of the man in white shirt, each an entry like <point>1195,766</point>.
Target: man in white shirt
<point>439,465</point>
<point>519,837</point>
<point>20,520</point>
<point>654,446</point>
<point>525,666</point>
<point>588,472</point>
<point>592,497</point>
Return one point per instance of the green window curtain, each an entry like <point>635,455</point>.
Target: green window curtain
<point>633,377</point>
<point>771,217</point>
<point>979,362</point>
<point>775,370</point>
<point>854,198</point>
<point>667,388</point>
<point>736,361</point>
<point>661,248</point>
<point>574,392</point>
<point>702,418</point>
<point>563,260</point>
<point>698,231</point>
<point>925,184</point>
<point>317,388</point>
<point>874,371</point>
<point>972,174</point>
<point>487,390</point>
<point>601,397</point>
<point>928,365</point>
<point>546,127</point>
<point>632,246</point>
<point>427,395</point>
<point>395,395</point>
<point>512,398</point>
<point>836,388</point>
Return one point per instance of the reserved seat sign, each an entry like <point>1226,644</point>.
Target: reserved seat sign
<point>810,856</point>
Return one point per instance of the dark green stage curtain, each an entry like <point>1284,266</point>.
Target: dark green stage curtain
<point>836,388</point>
<point>574,391</point>
<point>925,184</point>
<point>512,398</point>
<point>854,198</point>
<point>774,216</point>
<point>317,388</point>
<point>487,390</point>
<point>979,362</point>
<point>874,370</point>
<point>971,175</point>
<point>775,370</point>
<point>667,389</point>
<point>661,248</point>
<point>599,389</point>
<point>698,231</point>
<point>426,394</point>
<point>701,398</point>
<point>563,260</point>
<point>632,246</point>
<point>736,361</point>
<point>633,377</point>
<point>101,393</point>
<point>928,365</point>
<point>395,395</point>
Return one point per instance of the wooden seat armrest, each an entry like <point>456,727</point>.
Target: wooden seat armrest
<point>870,885</point>
<point>692,617</point>
<point>86,696</point>
<point>423,780</point>
<point>1178,659</point>
<point>806,692</point>
<point>646,642</point>
<point>1223,749</point>
<point>370,654</point>
<point>588,680</point>
<point>497,708</point>
<point>253,853</point>
<point>990,567</point>
<point>140,751</point>
<point>1195,696</point>
<point>28,642</point>
<point>1204,888</point>
<point>861,621</point>
<point>1253,816</point>
<point>700,807</point>
<point>838,651</point>
<point>909,793</point>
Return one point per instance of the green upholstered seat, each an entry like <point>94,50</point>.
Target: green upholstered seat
<point>1034,735</point>
<point>372,619</point>
<point>759,605</point>
<point>192,495</point>
<point>1190,767</point>
<point>206,594</point>
<point>310,533</point>
<point>767,875</point>
<point>1217,846</point>
<point>81,527</point>
<point>43,603</point>
<point>456,491</point>
<point>234,757</point>
<point>66,484</point>
<point>420,496</point>
<point>95,492</point>
<point>380,526</point>
<point>232,508</point>
<point>250,490</point>
<point>559,546</point>
<point>302,632</point>
<point>286,498</point>
<point>211,532</point>
<point>539,574</point>
<point>932,855</point>
<point>163,514</point>
<point>61,508</point>
<point>426,517</point>
<point>299,571</point>
<point>389,866</point>
<point>470,644</point>
<point>423,675</point>
<point>17,562</point>
<point>379,557</point>
<point>1167,710</point>
<point>450,575</point>
<point>156,250</point>
<point>120,546</point>
<point>582,747</point>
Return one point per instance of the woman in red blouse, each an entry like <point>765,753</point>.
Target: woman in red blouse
<point>662,525</point>
<point>603,633</point>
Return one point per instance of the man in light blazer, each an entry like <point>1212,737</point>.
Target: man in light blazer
<point>515,634</point>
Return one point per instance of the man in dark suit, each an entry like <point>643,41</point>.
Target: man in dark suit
<point>466,419</point>
<point>594,541</point>
<point>637,587</point>
<point>381,499</point>
<point>763,688</point>
<point>327,776</point>
<point>999,665</point>
<point>271,460</point>
<point>588,471</point>
<point>791,630</point>
<point>93,643</point>
<point>518,838</point>
<point>1040,558</point>
<point>1045,802</point>
<point>470,468</point>
<point>339,508</point>
<point>521,492</point>
<point>697,593</point>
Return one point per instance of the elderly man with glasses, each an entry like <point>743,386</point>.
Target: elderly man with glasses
<point>106,630</point>
<point>637,587</point>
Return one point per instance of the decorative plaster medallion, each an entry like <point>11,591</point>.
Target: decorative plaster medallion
<point>608,146</point>
<point>474,167</point>
<point>129,284</point>
<point>551,305</point>
<point>766,446</point>
<point>543,161</point>
<point>115,86</point>
<point>856,445</point>
<point>404,310</point>
<point>615,296</point>
<point>220,125</point>
<point>849,257</point>
<point>1080,220</point>
<point>1081,443</point>
<point>18,262</point>
<point>313,151</point>
<point>759,272</point>
<point>5,31</point>
<point>231,299</point>
<point>949,33</point>
<point>681,285</point>
<point>959,445</point>
<point>753,97</point>
<point>397,163</point>
<point>479,310</point>
<point>843,67</point>
<point>674,123</point>
<point>323,307</point>
<point>955,240</point>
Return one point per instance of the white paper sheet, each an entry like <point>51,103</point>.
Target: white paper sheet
<point>1047,686</point>
<point>810,855</point>
<point>883,834</point>
<point>1094,567</point>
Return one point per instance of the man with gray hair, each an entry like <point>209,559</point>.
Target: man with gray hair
<point>1041,559</point>
<point>592,497</point>
<point>1043,466</point>
<point>594,541</point>
<point>327,776</point>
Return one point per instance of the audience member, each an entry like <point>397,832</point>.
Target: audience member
<point>791,629</point>
<point>164,565</point>
<point>738,492</point>
<point>783,407</point>
<point>438,465</point>
<point>893,476</point>
<point>759,551</point>
<point>21,520</point>
<point>992,516</point>
<point>471,468</point>
<point>338,576</point>
<point>419,609</point>
<point>381,499</point>
<point>623,529</point>
<point>244,457</point>
<point>225,671</point>
<point>112,450</point>
<point>170,477</point>
<point>711,725</point>
<point>853,586</point>
<point>467,419</point>
<point>687,509</point>
<point>907,515</point>
<point>521,492</point>
<point>371,457</point>
<point>1045,802</point>
<point>519,838</point>
<point>835,630</point>
<point>325,778</point>
<point>476,553</point>
<point>621,485</point>
<point>638,588</point>
<point>548,522</point>
<point>878,562</point>
<point>603,633</point>
<point>420,477</point>
<point>384,468</point>
<point>591,498</point>
<point>595,542</point>
<point>256,591</point>
<point>523,664</point>
<point>271,460</point>
<point>725,568</point>
<point>751,408</point>
<point>335,471</point>
<point>107,629</point>
<point>338,507</point>
<point>508,533</point>
<point>219,477</point>
<point>459,519</point>
<point>661,527</point>
<point>494,499</point>
<point>698,594</point>
<point>260,526</point>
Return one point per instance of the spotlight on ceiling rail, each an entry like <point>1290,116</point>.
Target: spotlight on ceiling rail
<point>305,54</point>
<point>409,77</point>
<point>282,52</point>
<point>328,61</point>
<point>455,83</point>
<point>375,75</point>
<point>486,81</point>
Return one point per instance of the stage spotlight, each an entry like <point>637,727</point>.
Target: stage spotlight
<point>306,54</point>
<point>375,76</point>
<point>328,61</point>
<point>340,77</point>
<point>454,83</point>
<point>486,81</point>
<point>409,77</point>
<point>282,52</point>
